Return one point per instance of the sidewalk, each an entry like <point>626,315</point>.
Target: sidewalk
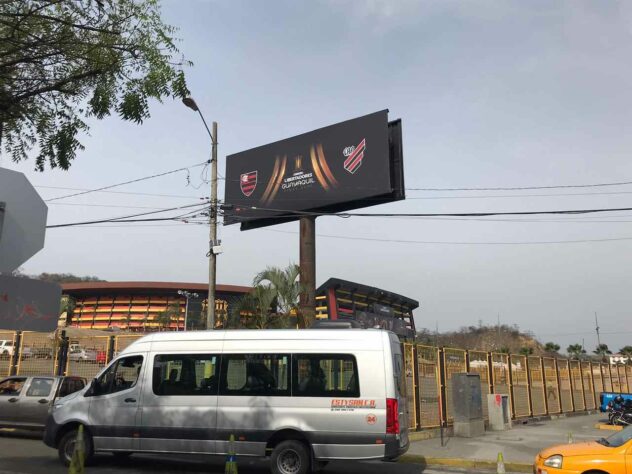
<point>518,445</point>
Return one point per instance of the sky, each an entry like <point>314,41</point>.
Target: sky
<point>491,94</point>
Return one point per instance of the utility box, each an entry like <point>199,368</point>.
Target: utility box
<point>499,412</point>
<point>467,405</point>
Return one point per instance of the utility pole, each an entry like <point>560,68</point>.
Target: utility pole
<point>212,256</point>
<point>307,264</point>
<point>597,329</point>
<point>214,248</point>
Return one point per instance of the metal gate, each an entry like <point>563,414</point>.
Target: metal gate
<point>607,379</point>
<point>479,364</point>
<point>597,381</point>
<point>536,383</point>
<point>500,375</point>
<point>7,353</point>
<point>411,385</point>
<point>429,386</point>
<point>38,353</point>
<point>520,385</point>
<point>551,383</point>
<point>589,390</point>
<point>87,355</point>
<point>453,363</point>
<point>566,393</point>
<point>123,342</point>
<point>576,384</point>
<point>614,376</point>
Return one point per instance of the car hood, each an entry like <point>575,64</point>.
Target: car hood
<point>590,448</point>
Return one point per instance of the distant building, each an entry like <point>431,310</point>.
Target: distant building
<point>141,306</point>
<point>616,359</point>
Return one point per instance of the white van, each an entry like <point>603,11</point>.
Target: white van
<point>299,397</point>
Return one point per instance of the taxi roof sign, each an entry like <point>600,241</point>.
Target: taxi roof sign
<point>23,220</point>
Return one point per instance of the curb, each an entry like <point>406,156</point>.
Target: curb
<point>465,463</point>
<point>604,426</point>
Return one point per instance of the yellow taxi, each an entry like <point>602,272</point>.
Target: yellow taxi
<point>612,455</point>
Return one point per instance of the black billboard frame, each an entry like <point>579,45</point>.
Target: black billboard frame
<point>398,192</point>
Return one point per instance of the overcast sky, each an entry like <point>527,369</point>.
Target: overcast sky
<point>491,94</point>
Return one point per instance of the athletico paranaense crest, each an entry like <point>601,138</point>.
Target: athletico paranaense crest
<point>248,183</point>
<point>354,156</point>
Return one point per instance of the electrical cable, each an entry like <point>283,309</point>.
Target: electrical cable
<point>524,188</point>
<point>122,192</point>
<point>127,182</point>
<point>436,242</point>
<point>122,218</point>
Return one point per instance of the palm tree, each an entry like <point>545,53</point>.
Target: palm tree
<point>67,305</point>
<point>257,306</point>
<point>575,351</point>
<point>602,350</point>
<point>287,289</point>
<point>526,351</point>
<point>165,317</point>
<point>551,347</point>
<point>626,351</point>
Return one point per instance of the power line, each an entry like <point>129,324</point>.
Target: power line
<point>122,192</point>
<point>126,182</point>
<point>294,213</point>
<point>524,188</point>
<point>103,205</point>
<point>123,218</point>
<point>436,242</point>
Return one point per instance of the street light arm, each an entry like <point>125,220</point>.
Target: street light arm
<point>208,130</point>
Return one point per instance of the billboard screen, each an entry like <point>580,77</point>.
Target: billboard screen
<point>345,166</point>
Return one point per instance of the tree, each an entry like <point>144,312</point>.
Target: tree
<point>287,289</point>
<point>67,305</point>
<point>165,317</point>
<point>626,351</point>
<point>255,310</point>
<point>602,350</point>
<point>551,348</point>
<point>575,351</point>
<point>63,62</point>
<point>526,351</point>
<point>66,278</point>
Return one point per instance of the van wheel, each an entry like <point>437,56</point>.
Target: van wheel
<point>66,447</point>
<point>290,457</point>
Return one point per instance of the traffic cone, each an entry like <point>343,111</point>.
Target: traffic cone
<point>570,437</point>
<point>231,458</point>
<point>78,456</point>
<point>500,464</point>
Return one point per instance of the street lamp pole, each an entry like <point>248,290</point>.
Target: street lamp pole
<point>187,295</point>
<point>212,256</point>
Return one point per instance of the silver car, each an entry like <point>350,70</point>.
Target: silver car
<point>25,401</point>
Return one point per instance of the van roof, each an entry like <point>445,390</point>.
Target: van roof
<point>366,335</point>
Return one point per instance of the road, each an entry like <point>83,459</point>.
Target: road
<point>26,454</point>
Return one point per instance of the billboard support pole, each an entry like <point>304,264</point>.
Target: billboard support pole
<point>307,264</point>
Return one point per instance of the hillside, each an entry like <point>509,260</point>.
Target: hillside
<point>486,338</point>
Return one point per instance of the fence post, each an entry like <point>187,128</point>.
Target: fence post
<point>490,372</point>
<point>528,368</point>
<point>17,347</point>
<point>511,394</point>
<point>546,397</point>
<point>442,387</point>
<point>62,354</point>
<point>581,377</point>
<point>417,393</point>
<point>110,354</point>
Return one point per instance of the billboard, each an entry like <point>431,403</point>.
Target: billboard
<point>28,305</point>
<point>345,166</point>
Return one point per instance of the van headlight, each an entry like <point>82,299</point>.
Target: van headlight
<point>554,461</point>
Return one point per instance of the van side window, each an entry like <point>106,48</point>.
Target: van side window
<point>255,374</point>
<point>121,375</point>
<point>185,374</point>
<point>325,375</point>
